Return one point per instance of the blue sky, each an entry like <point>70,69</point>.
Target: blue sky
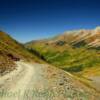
<point>28,20</point>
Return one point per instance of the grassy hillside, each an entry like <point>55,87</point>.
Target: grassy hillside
<point>77,52</point>
<point>11,49</point>
<point>74,51</point>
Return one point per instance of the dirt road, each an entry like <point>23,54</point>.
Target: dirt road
<point>42,82</point>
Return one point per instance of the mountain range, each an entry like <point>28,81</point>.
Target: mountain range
<point>75,53</point>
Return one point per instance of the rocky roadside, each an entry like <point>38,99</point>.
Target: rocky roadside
<point>55,84</point>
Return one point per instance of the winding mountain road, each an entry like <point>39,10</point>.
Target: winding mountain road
<point>42,82</point>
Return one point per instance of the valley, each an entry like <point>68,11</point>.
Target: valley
<point>65,67</point>
<point>74,51</point>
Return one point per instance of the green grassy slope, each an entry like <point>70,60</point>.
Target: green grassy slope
<point>71,51</point>
<point>77,52</point>
<point>68,58</point>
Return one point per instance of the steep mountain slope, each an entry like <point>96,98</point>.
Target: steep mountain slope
<point>10,51</point>
<point>74,51</point>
